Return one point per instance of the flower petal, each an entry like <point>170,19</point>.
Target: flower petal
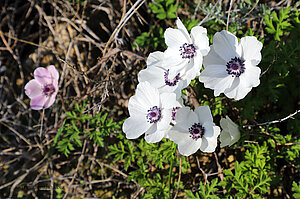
<point>186,145</point>
<point>174,38</point>
<point>213,58</point>
<point>184,118</point>
<point>51,99</point>
<point>164,122</point>
<point>135,126</point>
<point>194,66</point>
<point>251,48</point>
<point>204,114</point>
<point>155,59</point>
<point>209,144</point>
<point>173,59</point>
<point>153,75</point>
<point>226,45</point>
<point>137,107</point>
<point>33,89</point>
<point>238,89</point>
<point>168,100</point>
<point>147,95</point>
<point>54,73</point>
<point>215,77</point>
<point>43,76</point>
<point>155,137</point>
<point>225,139</point>
<point>230,133</point>
<point>38,102</point>
<point>182,28</point>
<point>251,75</point>
<point>200,39</point>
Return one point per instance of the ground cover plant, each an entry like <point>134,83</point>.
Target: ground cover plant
<point>149,99</point>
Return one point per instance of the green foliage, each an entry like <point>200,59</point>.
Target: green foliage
<point>206,191</point>
<point>59,193</point>
<point>296,189</point>
<point>143,157</point>
<point>153,39</point>
<point>78,124</point>
<point>164,8</point>
<point>250,177</point>
<point>281,22</point>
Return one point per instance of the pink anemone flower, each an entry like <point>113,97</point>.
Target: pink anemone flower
<point>43,89</point>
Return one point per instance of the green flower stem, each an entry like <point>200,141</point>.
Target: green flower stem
<point>170,171</point>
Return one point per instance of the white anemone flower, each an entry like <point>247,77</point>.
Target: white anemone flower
<point>194,130</point>
<point>231,65</point>
<point>186,51</point>
<point>230,133</point>
<point>150,113</point>
<point>164,78</point>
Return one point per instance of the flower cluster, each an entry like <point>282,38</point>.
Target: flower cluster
<point>157,110</point>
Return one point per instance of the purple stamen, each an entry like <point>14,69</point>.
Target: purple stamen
<point>187,51</point>
<point>154,114</point>
<point>48,89</point>
<point>196,131</point>
<point>235,67</point>
<point>171,82</point>
<point>174,110</point>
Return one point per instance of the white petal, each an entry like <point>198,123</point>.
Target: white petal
<point>208,145</point>
<point>173,59</point>
<point>189,147</point>
<point>208,129</point>
<point>185,118</point>
<point>213,58</point>
<point>251,48</point>
<point>200,39</point>
<point>155,137</point>
<point>194,66</point>
<point>168,100</point>
<point>216,77</point>
<point>175,38</point>
<point>147,95</point>
<point>136,107</point>
<point>182,28</point>
<point>225,139</point>
<point>155,59</point>
<point>186,145</point>
<point>164,122</point>
<point>251,75</point>
<point>204,114</point>
<point>238,90</point>
<point>226,45</point>
<point>230,133</point>
<point>153,75</point>
<point>135,126</point>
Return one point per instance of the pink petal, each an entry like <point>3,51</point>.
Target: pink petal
<point>33,89</point>
<point>54,73</point>
<point>50,100</point>
<point>43,76</point>
<point>38,102</point>
<point>55,84</point>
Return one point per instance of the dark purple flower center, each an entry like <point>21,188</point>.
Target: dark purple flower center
<point>172,82</point>
<point>196,131</point>
<point>48,89</point>
<point>154,114</point>
<point>187,51</point>
<point>235,66</point>
<point>174,110</point>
